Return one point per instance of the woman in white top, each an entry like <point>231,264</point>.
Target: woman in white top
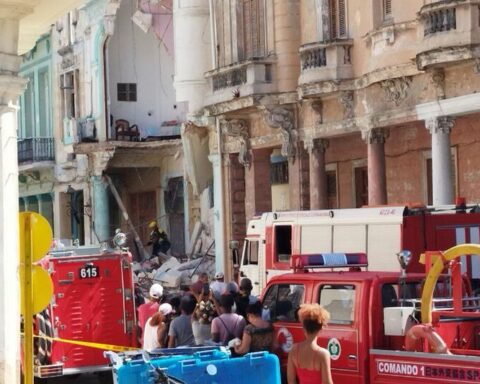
<point>156,328</point>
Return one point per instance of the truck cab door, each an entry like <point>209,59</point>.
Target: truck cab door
<point>249,266</point>
<point>343,335</point>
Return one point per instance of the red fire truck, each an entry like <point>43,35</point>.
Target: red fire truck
<point>380,232</point>
<point>93,302</point>
<point>374,315</point>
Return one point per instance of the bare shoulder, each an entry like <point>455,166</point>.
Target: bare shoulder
<point>323,353</point>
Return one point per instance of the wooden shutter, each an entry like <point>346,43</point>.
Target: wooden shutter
<point>342,19</point>
<point>387,9</point>
<point>254,28</point>
<point>333,19</point>
<point>220,33</point>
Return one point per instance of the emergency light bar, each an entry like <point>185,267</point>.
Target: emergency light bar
<point>329,260</point>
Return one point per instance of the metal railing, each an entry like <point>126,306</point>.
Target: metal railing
<point>31,150</point>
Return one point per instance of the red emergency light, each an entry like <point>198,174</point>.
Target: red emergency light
<point>329,260</point>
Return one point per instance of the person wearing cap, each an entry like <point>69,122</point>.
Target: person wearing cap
<point>148,309</point>
<point>218,286</point>
<point>156,328</point>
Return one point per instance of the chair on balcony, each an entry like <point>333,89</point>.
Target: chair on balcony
<point>123,130</point>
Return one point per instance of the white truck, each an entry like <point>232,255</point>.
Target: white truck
<point>380,232</point>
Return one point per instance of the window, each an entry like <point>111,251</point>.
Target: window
<point>339,301</point>
<point>338,19</point>
<point>127,92</point>
<point>279,172</point>
<point>282,301</point>
<point>283,242</point>
<point>251,255</point>
<point>69,87</point>
<point>387,9</point>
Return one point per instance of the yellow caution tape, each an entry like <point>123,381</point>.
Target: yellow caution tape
<point>105,347</point>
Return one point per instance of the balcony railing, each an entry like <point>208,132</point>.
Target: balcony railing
<point>325,61</point>
<point>246,78</point>
<point>235,77</point>
<point>313,58</point>
<point>451,31</point>
<point>440,20</point>
<point>36,149</point>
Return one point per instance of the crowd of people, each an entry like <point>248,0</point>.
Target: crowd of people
<point>227,314</point>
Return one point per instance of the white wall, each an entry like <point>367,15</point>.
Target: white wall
<point>137,57</point>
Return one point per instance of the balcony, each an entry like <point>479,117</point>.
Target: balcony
<point>241,79</point>
<point>324,61</point>
<point>449,28</point>
<point>33,150</point>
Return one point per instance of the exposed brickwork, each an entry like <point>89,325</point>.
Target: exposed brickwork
<point>237,199</point>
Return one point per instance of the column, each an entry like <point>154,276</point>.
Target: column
<point>218,219</point>
<point>101,212</point>
<point>442,188</point>
<point>193,51</point>
<point>258,191</point>
<point>318,175</point>
<point>377,179</point>
<point>11,87</point>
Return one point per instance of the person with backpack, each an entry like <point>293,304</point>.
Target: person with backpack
<point>228,325</point>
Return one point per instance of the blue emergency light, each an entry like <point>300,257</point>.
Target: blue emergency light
<point>329,260</point>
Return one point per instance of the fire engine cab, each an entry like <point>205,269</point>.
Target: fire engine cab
<point>385,327</point>
<point>93,302</point>
<point>380,232</point>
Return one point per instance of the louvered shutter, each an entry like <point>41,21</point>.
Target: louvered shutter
<point>333,19</point>
<point>342,19</point>
<point>387,9</point>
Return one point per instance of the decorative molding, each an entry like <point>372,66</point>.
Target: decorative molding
<point>346,99</point>
<point>100,161</point>
<point>396,90</point>
<point>238,129</point>
<point>443,124</point>
<point>283,118</point>
<point>376,135</point>
<point>438,81</point>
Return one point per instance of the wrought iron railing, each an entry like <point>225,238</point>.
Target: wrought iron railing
<point>35,149</point>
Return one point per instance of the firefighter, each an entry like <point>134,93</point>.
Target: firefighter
<point>158,239</point>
